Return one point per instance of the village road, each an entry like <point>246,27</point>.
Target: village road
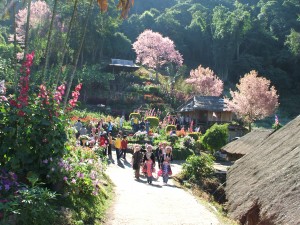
<point>138,203</point>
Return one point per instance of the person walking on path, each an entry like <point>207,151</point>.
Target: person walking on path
<point>158,154</point>
<point>149,169</point>
<point>110,142</point>
<point>166,166</point>
<point>148,155</point>
<point>118,146</point>
<point>136,161</point>
<point>124,143</point>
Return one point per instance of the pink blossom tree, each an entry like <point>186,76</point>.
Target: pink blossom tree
<point>154,50</point>
<point>204,82</point>
<point>39,14</point>
<point>254,99</point>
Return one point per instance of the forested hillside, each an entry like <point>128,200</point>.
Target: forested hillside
<point>230,37</point>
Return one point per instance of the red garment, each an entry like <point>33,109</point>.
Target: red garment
<point>149,167</point>
<point>102,141</point>
<point>124,144</point>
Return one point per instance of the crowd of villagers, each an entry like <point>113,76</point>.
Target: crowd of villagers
<point>143,160</point>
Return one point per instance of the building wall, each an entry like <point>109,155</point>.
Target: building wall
<point>207,116</point>
<point>219,116</point>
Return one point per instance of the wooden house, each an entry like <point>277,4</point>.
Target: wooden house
<point>205,110</point>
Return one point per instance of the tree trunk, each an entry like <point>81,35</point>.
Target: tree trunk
<point>27,28</point>
<point>65,44</point>
<point>15,49</point>
<point>237,51</point>
<point>81,63</point>
<point>78,54</point>
<point>49,40</point>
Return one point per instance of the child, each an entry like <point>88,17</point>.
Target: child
<point>166,167</point>
<point>149,170</point>
<point>136,161</point>
<point>124,143</point>
<point>149,163</point>
<point>118,146</point>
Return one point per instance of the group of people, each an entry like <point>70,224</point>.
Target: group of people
<point>140,125</point>
<point>96,134</point>
<point>144,160</point>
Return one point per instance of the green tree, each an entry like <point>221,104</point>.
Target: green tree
<point>215,137</point>
<point>198,167</point>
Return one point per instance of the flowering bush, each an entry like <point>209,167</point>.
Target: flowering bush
<point>8,183</point>
<point>32,126</point>
<point>79,172</point>
<point>188,142</point>
<point>140,135</point>
<point>276,124</point>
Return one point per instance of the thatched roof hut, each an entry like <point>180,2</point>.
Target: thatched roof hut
<point>205,111</point>
<point>263,187</point>
<point>245,144</point>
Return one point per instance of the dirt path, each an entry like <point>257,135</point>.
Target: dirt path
<point>139,203</point>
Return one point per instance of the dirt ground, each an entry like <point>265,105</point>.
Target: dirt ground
<point>139,203</point>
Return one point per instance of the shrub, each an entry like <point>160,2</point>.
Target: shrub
<point>33,125</point>
<point>132,115</point>
<point>172,139</point>
<point>181,153</point>
<point>29,205</point>
<point>153,120</point>
<point>188,142</point>
<point>35,206</point>
<point>215,137</point>
<point>170,127</point>
<point>198,167</point>
<point>153,89</point>
<point>198,147</point>
<point>195,135</point>
<point>78,172</point>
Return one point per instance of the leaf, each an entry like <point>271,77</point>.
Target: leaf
<point>103,5</point>
<point>125,5</point>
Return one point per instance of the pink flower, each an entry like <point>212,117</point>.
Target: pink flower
<point>21,113</point>
<point>65,178</point>
<point>80,175</point>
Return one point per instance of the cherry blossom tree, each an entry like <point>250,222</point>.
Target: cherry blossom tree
<point>254,99</point>
<point>204,82</point>
<point>154,50</point>
<point>39,13</point>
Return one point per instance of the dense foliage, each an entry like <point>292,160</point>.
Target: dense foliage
<point>215,137</point>
<point>198,167</point>
<point>39,158</point>
<point>230,37</point>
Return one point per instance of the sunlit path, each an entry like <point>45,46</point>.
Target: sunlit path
<point>141,203</point>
